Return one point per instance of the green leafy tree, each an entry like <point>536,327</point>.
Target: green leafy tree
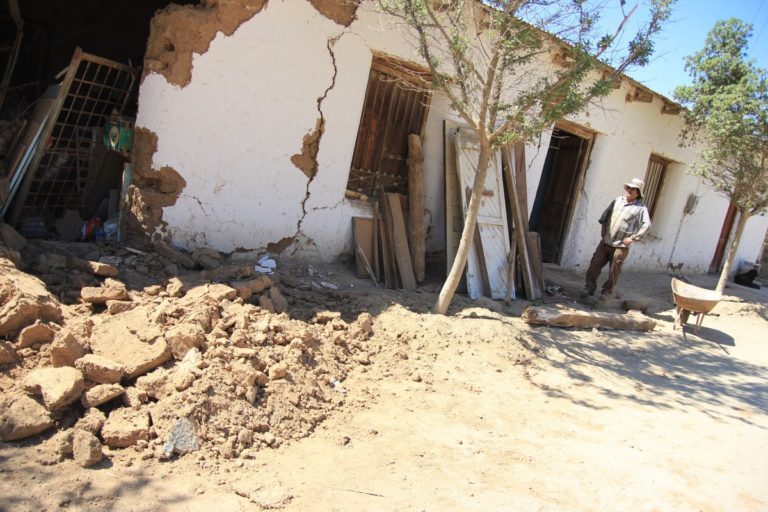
<point>728,115</point>
<point>492,60</point>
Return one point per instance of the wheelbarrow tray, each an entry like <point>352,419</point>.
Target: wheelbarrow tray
<point>694,299</point>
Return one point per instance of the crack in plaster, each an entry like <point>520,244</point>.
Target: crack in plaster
<point>320,129</point>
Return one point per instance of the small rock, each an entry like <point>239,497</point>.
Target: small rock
<point>58,386</point>
<point>7,353</point>
<point>266,303</point>
<point>101,294</point>
<point>94,267</point>
<point>182,379</point>
<point>115,307</point>
<point>101,394</point>
<point>416,377</point>
<point>183,337</point>
<point>154,384</point>
<point>182,439</point>
<point>24,418</point>
<point>66,349</point>
<point>153,290</point>
<point>323,317</point>
<point>125,427</point>
<point>365,322</point>
<point>92,422</point>
<point>279,303</point>
<point>100,369</point>
<point>278,371</point>
<point>86,449</point>
<point>175,287</point>
<point>38,332</point>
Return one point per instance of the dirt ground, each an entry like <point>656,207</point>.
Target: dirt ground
<point>479,411</point>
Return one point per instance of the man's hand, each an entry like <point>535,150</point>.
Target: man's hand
<point>627,241</point>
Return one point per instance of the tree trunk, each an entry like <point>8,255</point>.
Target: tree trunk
<point>467,234</point>
<point>743,218</point>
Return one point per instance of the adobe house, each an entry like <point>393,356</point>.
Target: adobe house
<point>255,117</point>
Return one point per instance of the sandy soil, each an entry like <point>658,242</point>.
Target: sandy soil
<point>479,411</point>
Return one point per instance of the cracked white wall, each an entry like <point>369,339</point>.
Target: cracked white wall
<point>254,96</point>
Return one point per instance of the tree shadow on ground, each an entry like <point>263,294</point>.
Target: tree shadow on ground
<point>658,369</point>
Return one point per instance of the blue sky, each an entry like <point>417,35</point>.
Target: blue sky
<point>686,32</point>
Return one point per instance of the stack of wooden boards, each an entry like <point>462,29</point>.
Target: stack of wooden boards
<point>387,244</point>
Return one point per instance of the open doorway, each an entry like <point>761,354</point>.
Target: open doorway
<point>561,178</point>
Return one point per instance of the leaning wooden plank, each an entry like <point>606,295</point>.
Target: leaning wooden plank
<point>375,262</point>
<point>511,268</point>
<point>400,239</point>
<point>534,249</point>
<point>367,265</point>
<point>521,182</point>
<point>387,260</point>
<point>478,241</point>
<point>362,230</point>
<point>418,234</point>
<point>532,291</point>
<point>555,316</point>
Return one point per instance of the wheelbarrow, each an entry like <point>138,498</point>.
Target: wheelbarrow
<point>691,299</point>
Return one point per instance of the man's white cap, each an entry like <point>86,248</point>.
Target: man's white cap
<point>635,183</point>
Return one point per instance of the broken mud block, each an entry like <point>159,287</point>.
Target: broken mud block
<point>125,427</point>
<point>100,369</point>
<point>94,267</point>
<point>7,353</point>
<point>92,422</point>
<point>324,317</point>
<point>56,449</point>
<point>251,287</point>
<point>265,303</point>
<point>207,258</point>
<point>24,418</point>
<point>11,238</point>
<point>86,448</point>
<point>365,323</point>
<point>175,287</point>
<point>182,438</point>
<point>166,250</point>
<point>217,292</point>
<point>154,384</point>
<point>228,272</point>
<point>38,332</point>
<point>133,339</point>
<point>102,294</point>
<point>279,303</point>
<point>278,371</point>
<point>115,307</point>
<point>101,394</point>
<point>66,348</point>
<point>24,299</point>
<point>59,387</point>
<point>183,337</point>
<point>154,289</point>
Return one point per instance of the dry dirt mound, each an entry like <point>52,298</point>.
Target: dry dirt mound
<point>140,356</point>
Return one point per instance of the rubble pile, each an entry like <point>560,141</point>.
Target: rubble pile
<point>121,350</point>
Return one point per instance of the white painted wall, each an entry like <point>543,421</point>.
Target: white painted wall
<point>254,96</point>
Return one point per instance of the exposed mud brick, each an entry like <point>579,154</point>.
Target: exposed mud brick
<point>101,394</point>
<point>92,422</point>
<point>66,349</point>
<point>58,386</point>
<point>38,332</point>
<point>278,371</point>
<point>24,299</point>
<point>365,322</point>
<point>154,289</point>
<point>94,267</point>
<point>175,287</point>
<point>173,254</point>
<point>207,258</point>
<point>133,339</point>
<point>266,303</point>
<point>251,287</point>
<point>217,292</point>
<point>11,238</point>
<point>101,294</point>
<point>125,427</point>
<point>154,384</point>
<point>115,307</point>
<point>229,272</point>
<point>183,378</point>
<point>86,448</point>
<point>7,353</point>
<point>24,418</point>
<point>100,369</point>
<point>183,337</point>
<point>204,314</point>
<point>278,301</point>
<point>135,398</point>
<point>323,317</point>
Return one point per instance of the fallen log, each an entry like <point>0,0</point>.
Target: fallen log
<point>567,317</point>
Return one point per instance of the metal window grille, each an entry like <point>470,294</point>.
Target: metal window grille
<point>654,179</point>
<point>92,89</point>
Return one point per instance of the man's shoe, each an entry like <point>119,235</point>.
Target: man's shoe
<point>586,292</point>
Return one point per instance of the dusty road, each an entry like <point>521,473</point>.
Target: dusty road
<point>478,411</point>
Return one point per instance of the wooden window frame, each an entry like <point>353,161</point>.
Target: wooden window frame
<point>654,184</point>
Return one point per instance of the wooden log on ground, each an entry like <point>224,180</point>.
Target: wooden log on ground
<point>555,316</point>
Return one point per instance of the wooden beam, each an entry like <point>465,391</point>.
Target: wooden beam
<point>417,235</point>
<point>670,109</point>
<point>566,317</point>
<point>640,95</point>
<point>400,239</point>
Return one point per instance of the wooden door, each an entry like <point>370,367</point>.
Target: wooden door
<point>491,220</point>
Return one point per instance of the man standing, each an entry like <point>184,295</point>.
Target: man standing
<point>624,222</point>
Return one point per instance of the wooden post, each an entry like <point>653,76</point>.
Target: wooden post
<point>417,230</point>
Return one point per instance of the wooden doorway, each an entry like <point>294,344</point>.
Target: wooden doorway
<point>561,179</point>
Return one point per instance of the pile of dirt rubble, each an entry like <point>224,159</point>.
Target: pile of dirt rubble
<point>156,353</point>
